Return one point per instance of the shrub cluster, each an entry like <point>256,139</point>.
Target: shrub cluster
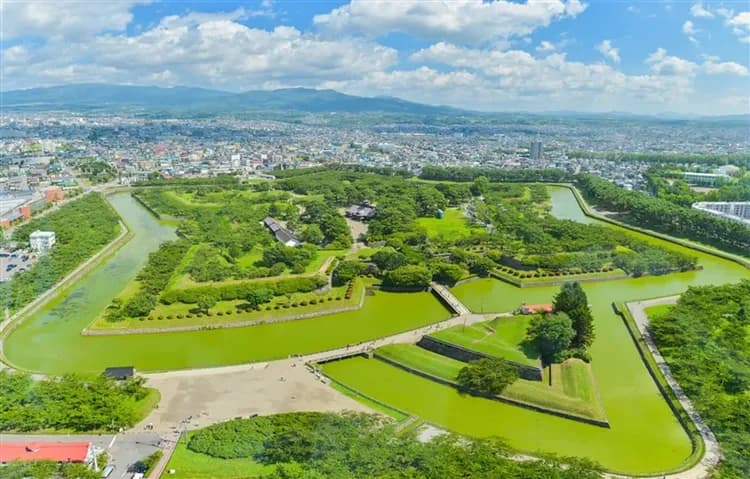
<point>232,292</point>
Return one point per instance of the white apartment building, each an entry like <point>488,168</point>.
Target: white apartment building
<point>42,241</point>
<point>734,211</point>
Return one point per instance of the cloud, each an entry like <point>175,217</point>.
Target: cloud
<point>462,21</point>
<point>713,67</point>
<point>522,74</point>
<point>606,49</point>
<point>68,19</point>
<point>740,24</point>
<point>725,12</point>
<point>688,28</point>
<point>697,10</point>
<point>546,46</point>
<point>663,64</point>
<point>200,49</point>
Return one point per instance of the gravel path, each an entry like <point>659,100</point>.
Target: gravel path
<point>712,456</point>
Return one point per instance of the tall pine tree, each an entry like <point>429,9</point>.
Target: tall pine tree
<point>572,300</point>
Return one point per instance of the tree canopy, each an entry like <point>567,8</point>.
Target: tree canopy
<point>705,339</point>
<point>351,445</point>
<point>553,334</point>
<point>572,301</point>
<point>487,375</point>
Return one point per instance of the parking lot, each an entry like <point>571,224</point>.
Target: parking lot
<point>14,262</point>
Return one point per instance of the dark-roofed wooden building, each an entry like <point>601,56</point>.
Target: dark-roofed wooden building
<point>120,372</point>
<point>280,232</point>
<point>360,212</point>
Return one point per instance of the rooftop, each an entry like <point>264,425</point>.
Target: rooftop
<point>44,451</point>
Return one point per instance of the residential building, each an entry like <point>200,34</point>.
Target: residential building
<point>42,241</point>
<point>703,179</point>
<point>733,211</point>
<point>536,151</point>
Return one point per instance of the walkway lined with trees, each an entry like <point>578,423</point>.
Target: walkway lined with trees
<point>712,454</point>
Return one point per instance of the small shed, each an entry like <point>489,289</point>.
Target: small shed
<point>536,308</point>
<point>120,372</point>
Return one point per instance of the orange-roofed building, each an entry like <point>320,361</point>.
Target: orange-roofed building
<point>54,194</point>
<point>537,308</point>
<point>25,211</point>
<point>82,452</point>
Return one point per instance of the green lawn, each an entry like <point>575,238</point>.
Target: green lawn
<point>451,227</point>
<point>655,311</point>
<point>249,258</point>
<point>163,311</point>
<point>182,280</point>
<point>572,389</point>
<point>423,360</point>
<point>501,337</point>
<point>192,465</point>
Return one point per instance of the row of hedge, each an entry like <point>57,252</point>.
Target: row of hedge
<point>237,291</point>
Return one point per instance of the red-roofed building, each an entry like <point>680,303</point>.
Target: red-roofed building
<point>54,194</point>
<point>82,452</point>
<point>537,308</point>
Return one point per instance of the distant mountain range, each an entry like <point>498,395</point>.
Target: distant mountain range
<point>201,101</point>
<point>98,96</point>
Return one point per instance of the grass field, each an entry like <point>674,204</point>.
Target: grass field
<point>182,280</point>
<point>164,311</point>
<point>657,311</point>
<point>501,337</point>
<point>423,360</point>
<point>193,465</point>
<point>453,226</point>
<point>572,388</point>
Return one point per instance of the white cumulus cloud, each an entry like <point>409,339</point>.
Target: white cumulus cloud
<point>610,52</point>
<point>210,50</point>
<point>714,67</point>
<point>697,10</point>
<point>663,64</point>
<point>69,19</point>
<point>740,24</point>
<point>462,21</point>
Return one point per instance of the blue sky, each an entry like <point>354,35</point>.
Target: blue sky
<point>644,57</point>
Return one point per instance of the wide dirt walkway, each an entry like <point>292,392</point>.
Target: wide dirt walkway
<point>206,396</point>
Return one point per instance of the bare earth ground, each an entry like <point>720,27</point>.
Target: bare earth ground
<point>210,396</point>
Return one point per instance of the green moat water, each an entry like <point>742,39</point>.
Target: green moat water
<point>50,341</point>
<point>645,437</point>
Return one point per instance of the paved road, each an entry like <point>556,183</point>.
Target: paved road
<point>712,455</point>
<point>124,449</point>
